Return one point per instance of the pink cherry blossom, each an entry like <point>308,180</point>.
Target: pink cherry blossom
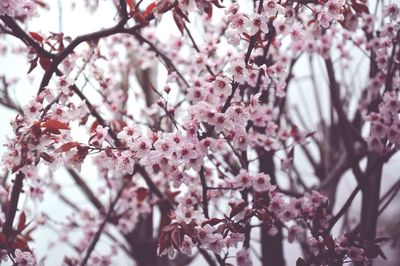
<point>392,11</point>
<point>243,258</point>
<point>258,23</point>
<point>24,258</point>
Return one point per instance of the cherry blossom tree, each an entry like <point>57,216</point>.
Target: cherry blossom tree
<point>195,144</point>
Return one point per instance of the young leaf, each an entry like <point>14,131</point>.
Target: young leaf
<point>131,5</point>
<point>179,21</point>
<point>54,124</point>
<point>46,157</point>
<point>212,221</point>
<point>67,146</point>
<point>33,65</point>
<point>359,7</point>
<point>149,9</point>
<point>141,193</point>
<point>217,4</point>
<point>45,63</point>
<point>36,36</point>
<point>237,209</point>
<point>42,4</point>
<point>207,7</point>
<point>21,222</point>
<point>20,243</point>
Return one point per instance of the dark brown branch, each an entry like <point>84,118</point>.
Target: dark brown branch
<point>23,36</point>
<point>197,48</point>
<point>153,188</point>
<point>205,197</point>
<point>77,41</point>
<point>85,188</point>
<point>223,110</point>
<point>207,257</point>
<point>344,123</point>
<point>168,62</point>
<point>13,205</point>
<point>360,185</point>
<point>389,196</point>
<point>96,237</point>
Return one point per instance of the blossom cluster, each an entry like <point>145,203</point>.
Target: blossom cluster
<point>385,124</point>
<point>24,9</point>
<point>384,133</point>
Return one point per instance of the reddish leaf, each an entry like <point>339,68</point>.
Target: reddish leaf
<point>68,261</point>
<point>131,5</point>
<point>21,222</point>
<point>81,154</point>
<point>163,6</point>
<point>179,21</point>
<point>94,126</point>
<point>141,193</point>
<point>359,8</point>
<point>208,9</point>
<point>141,19</point>
<point>176,238</point>
<point>41,4</point>
<point>213,221</point>
<point>67,146</point>
<point>247,37</point>
<point>184,15</point>
<point>171,195</point>
<point>84,120</point>
<point>162,242</point>
<point>20,243</point>
<point>265,217</point>
<point>149,9</point>
<point>189,229</point>
<point>50,44</point>
<point>50,131</point>
<point>45,63</point>
<point>33,65</point>
<point>46,157</point>
<point>329,242</point>
<point>55,124</point>
<point>237,208</point>
<point>311,22</point>
<point>236,228</point>
<point>221,228</point>
<point>109,152</point>
<point>36,36</point>
<point>217,4</point>
<point>168,228</point>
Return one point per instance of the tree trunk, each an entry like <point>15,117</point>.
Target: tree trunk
<point>272,249</point>
<point>271,246</point>
<point>370,197</point>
